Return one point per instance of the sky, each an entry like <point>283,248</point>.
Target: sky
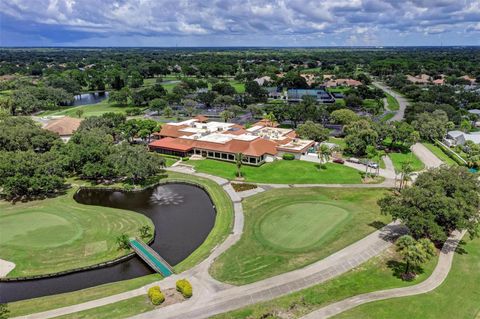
<point>220,23</point>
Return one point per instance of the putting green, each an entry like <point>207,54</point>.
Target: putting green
<point>37,229</point>
<point>300,226</point>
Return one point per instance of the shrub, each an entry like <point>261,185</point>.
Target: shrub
<point>186,158</point>
<point>184,287</point>
<point>133,111</point>
<point>288,156</point>
<point>155,295</point>
<point>240,187</point>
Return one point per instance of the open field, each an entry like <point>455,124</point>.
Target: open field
<point>56,234</point>
<point>458,297</point>
<point>339,141</point>
<point>282,172</point>
<point>223,225</point>
<point>286,229</point>
<point>399,158</point>
<point>378,273</point>
<point>440,154</point>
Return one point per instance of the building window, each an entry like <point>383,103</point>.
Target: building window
<point>210,154</point>
<point>231,157</point>
<point>224,156</point>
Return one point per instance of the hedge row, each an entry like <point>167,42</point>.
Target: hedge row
<point>449,153</point>
<point>155,295</point>
<point>288,156</point>
<point>184,287</point>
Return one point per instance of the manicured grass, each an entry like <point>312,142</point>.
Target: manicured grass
<point>458,297</point>
<point>117,310</point>
<point>88,110</point>
<point>56,234</point>
<point>437,151</point>
<point>261,254</point>
<point>399,158</point>
<point>392,102</point>
<point>282,172</point>
<point>375,274</point>
<point>223,220</point>
<point>221,229</point>
<point>339,141</point>
<point>24,307</point>
<point>298,226</point>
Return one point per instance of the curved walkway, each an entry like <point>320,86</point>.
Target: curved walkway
<point>402,102</point>
<point>213,297</point>
<point>436,279</point>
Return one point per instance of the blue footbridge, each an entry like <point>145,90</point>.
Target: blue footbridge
<point>151,257</point>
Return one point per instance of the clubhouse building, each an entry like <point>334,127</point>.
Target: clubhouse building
<point>217,140</point>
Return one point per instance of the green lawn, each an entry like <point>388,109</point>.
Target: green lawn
<point>387,117</point>
<point>221,229</point>
<point>458,297</point>
<point>339,141</point>
<point>286,229</point>
<point>437,151</point>
<point>88,110</point>
<point>117,310</point>
<point>375,274</point>
<point>282,172</point>
<point>56,234</point>
<point>392,102</point>
<point>399,158</point>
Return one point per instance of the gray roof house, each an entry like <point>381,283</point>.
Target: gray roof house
<point>455,138</point>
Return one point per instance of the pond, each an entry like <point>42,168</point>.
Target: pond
<point>183,216</point>
<point>89,98</point>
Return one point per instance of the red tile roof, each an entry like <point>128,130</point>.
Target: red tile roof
<point>175,144</point>
<point>63,126</point>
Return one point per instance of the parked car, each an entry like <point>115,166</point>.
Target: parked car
<point>353,160</point>
<point>372,165</point>
<point>338,161</point>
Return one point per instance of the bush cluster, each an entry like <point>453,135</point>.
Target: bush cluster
<point>240,187</point>
<point>288,156</point>
<point>184,287</point>
<point>155,295</point>
<point>449,153</point>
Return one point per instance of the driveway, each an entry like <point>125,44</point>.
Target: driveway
<point>427,157</point>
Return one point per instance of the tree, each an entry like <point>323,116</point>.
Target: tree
<point>324,153</point>
<point>432,126</point>
<point>344,116</point>
<point>414,253</point>
<point>120,97</point>
<point>158,105</point>
<point>135,163</point>
<point>466,126</point>
<point>311,131</point>
<point>405,171</point>
<point>359,135</point>
<point>145,231</point>
<point>79,113</point>
<point>353,101</point>
<point>238,163</point>
<point>123,242</point>
<point>270,117</point>
<point>227,115</point>
<point>440,201</point>
<point>168,112</point>
<point>372,153</point>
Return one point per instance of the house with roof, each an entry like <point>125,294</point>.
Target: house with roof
<point>64,126</point>
<point>263,80</point>
<point>419,79</point>
<point>222,141</point>
<point>455,138</point>
<point>321,95</point>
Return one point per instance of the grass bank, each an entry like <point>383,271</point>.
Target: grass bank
<point>437,151</point>
<point>378,273</point>
<point>325,219</point>
<point>399,158</point>
<point>458,297</point>
<point>282,172</point>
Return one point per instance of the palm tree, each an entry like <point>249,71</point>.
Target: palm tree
<point>372,153</point>
<point>414,253</point>
<point>324,153</point>
<point>405,171</point>
<point>270,117</point>
<point>239,158</point>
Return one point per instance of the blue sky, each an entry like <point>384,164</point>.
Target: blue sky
<point>239,23</point>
